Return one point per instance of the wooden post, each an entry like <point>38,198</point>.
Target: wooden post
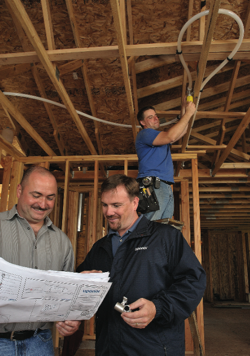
<point>56,335</point>
<point>44,164</point>
<point>248,255</point>
<point>89,324</point>
<point>185,217</point>
<point>72,220</point>
<point>240,267</point>
<point>244,252</point>
<point>211,286</point>
<point>15,179</point>
<point>95,198</point>
<point>126,167</point>
<point>5,183</point>
<point>185,213</point>
<point>197,238</point>
<point>99,232</point>
<point>218,267</point>
<point>65,197</point>
<point>229,267</point>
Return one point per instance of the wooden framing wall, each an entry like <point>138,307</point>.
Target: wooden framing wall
<point>226,261</point>
<point>94,222</point>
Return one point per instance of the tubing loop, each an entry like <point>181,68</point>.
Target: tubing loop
<point>229,58</point>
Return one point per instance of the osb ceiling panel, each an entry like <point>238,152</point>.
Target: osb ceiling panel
<point>152,22</point>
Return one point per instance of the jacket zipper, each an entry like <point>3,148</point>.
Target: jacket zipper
<point>165,350</point>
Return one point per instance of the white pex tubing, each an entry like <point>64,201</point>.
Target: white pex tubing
<point>230,57</point>
<point>28,96</point>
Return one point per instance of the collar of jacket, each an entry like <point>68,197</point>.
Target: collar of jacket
<point>143,229</point>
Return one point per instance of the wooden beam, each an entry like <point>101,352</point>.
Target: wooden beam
<point>5,183</point>
<point>132,64</point>
<point>70,67</point>
<point>205,94</point>
<point>226,108</point>
<point>26,47</point>
<point>9,148</point>
<point>24,123</point>
<point>124,63</point>
<point>56,132</point>
<point>104,158</point>
<point>15,179</point>
<point>72,220</point>
<point>30,31</point>
<point>197,237</point>
<point>241,128</point>
<point>236,165</point>
<point>185,214</point>
<point>95,202</point>
<point>65,197</point>
<point>175,82</point>
<point>84,69</point>
<point>210,26</point>
<point>219,50</point>
<point>155,62</point>
<point>48,24</point>
<point>224,189</point>
<point>206,139</point>
<point>247,21</point>
<point>211,295</point>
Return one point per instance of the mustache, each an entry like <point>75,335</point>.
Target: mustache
<point>38,207</point>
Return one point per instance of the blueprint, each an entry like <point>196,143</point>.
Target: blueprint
<point>28,295</point>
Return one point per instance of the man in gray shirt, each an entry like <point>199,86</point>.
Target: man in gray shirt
<point>29,239</point>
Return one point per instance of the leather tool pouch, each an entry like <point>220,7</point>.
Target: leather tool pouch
<point>147,200</point>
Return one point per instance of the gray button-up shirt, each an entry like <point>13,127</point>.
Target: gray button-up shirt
<point>51,249</point>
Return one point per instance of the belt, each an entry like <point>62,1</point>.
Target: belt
<point>19,335</point>
<point>164,181</point>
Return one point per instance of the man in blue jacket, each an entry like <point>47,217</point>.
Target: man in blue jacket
<point>151,265</point>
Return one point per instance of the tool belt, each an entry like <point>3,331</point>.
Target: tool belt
<point>147,198</point>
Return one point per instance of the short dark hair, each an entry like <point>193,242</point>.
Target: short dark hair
<point>140,115</point>
<point>39,169</point>
<point>130,184</point>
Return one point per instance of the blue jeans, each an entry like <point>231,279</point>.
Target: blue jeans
<point>40,344</point>
<point>166,202</point>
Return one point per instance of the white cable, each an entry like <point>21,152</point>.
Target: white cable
<point>189,22</point>
<point>28,96</point>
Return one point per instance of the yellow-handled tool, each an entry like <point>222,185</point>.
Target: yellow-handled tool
<point>190,98</point>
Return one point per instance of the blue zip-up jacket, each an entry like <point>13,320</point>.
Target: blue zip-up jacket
<point>156,263</point>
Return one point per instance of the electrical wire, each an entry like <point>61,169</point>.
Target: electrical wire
<point>28,96</point>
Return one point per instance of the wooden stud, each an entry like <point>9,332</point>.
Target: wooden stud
<point>95,202</point>
<point>123,59</point>
<point>65,197</point>
<point>185,214</point>
<point>197,237</point>
<point>245,268</point>
<point>126,167</point>
<point>15,179</point>
<point>72,220</point>
<point>5,183</point>
<point>211,287</point>
<point>229,266</point>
